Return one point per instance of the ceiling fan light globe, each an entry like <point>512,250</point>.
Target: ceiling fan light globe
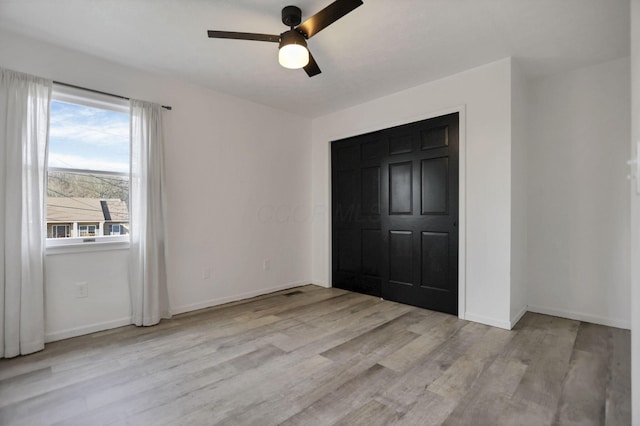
<point>293,56</point>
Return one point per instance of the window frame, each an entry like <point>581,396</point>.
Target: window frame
<point>87,243</point>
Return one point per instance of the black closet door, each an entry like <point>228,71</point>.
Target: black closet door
<point>419,217</point>
<point>357,240</point>
<point>395,213</point>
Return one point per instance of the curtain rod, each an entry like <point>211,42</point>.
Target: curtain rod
<point>100,93</point>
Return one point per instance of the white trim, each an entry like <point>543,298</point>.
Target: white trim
<point>462,190</point>
<point>578,316</point>
<point>518,316</point>
<point>488,321</point>
<point>329,212</point>
<point>222,300</point>
<point>86,329</point>
<point>107,325</point>
<point>76,245</point>
<point>321,284</point>
<point>462,211</point>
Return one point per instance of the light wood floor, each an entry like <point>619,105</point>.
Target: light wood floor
<point>325,356</point>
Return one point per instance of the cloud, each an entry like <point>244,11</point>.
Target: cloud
<point>83,125</point>
<point>88,138</point>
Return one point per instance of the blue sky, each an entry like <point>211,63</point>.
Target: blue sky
<point>82,137</point>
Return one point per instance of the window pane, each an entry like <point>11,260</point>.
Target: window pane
<point>87,181</point>
<point>82,137</point>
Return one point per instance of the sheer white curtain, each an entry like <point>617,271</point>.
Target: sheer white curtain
<point>24,123</point>
<point>149,296</point>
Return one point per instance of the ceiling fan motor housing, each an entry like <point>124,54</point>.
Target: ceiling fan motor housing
<point>292,37</point>
<point>291,16</point>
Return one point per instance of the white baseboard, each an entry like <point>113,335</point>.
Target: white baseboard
<point>107,325</point>
<point>578,316</point>
<point>320,284</point>
<point>86,329</point>
<point>519,315</point>
<point>222,300</point>
<point>469,316</point>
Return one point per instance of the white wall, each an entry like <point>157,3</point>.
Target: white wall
<point>635,215</point>
<point>484,94</point>
<point>578,195</point>
<point>238,193</point>
<point>238,190</point>
<point>519,199</point>
<point>107,304</point>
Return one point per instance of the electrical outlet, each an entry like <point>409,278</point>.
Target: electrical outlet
<point>82,290</point>
<point>266,264</point>
<point>206,273</point>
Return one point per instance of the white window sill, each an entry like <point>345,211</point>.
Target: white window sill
<point>84,245</point>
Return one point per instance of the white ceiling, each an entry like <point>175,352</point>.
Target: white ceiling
<point>380,48</point>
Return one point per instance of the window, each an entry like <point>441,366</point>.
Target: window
<point>59,231</point>
<point>88,167</point>
<point>87,230</point>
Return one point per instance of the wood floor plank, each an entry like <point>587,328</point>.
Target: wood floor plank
<point>543,380</point>
<point>461,376</point>
<point>490,394</point>
<point>27,377</point>
<point>618,388</point>
<point>583,397</point>
<point>434,331</point>
<point>429,409</point>
<point>220,402</point>
<point>86,371</point>
<point>412,384</point>
<point>486,398</point>
<point>582,401</point>
<point>346,398</point>
<point>155,404</point>
<point>350,360</point>
<point>373,413</point>
<point>375,340</point>
<point>313,355</point>
<point>223,398</point>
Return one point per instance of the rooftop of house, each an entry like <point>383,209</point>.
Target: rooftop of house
<point>67,209</point>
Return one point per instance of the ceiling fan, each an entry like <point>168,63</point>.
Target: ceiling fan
<point>293,52</point>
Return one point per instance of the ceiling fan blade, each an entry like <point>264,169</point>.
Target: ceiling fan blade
<point>312,67</point>
<point>244,36</point>
<point>327,16</point>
